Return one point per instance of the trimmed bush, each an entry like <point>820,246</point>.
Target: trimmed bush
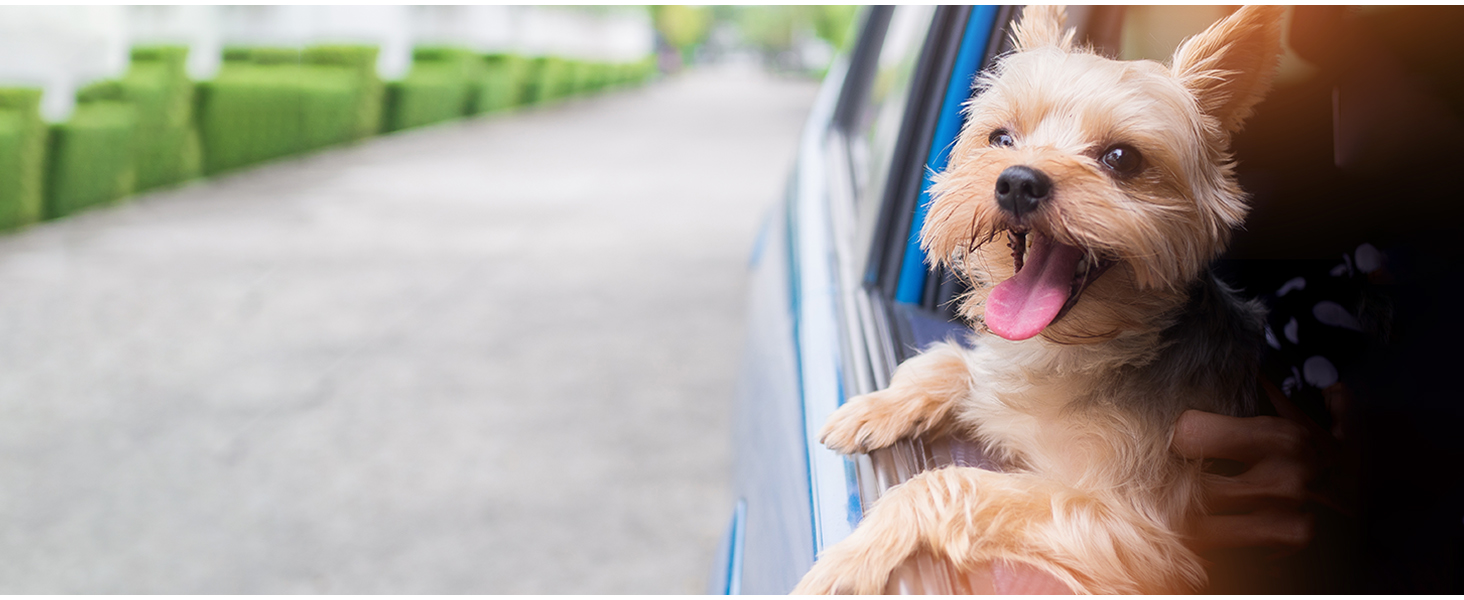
<point>529,85</point>
<point>361,61</point>
<point>562,78</point>
<point>583,77</point>
<point>91,157</point>
<point>634,73</point>
<point>247,114</point>
<point>501,84</point>
<point>439,88</point>
<point>550,80</point>
<point>238,54</point>
<point>22,157</point>
<point>271,56</point>
<point>600,76</point>
<point>645,69</point>
<point>330,106</point>
<point>167,143</point>
<point>265,104</point>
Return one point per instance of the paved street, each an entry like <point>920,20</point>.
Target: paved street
<point>487,357</point>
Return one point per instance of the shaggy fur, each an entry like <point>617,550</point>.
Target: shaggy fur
<point>1082,414</point>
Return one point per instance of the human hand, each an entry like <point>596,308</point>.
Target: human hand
<point>1265,475</point>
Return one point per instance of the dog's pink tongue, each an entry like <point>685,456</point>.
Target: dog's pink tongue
<point>1021,307</point>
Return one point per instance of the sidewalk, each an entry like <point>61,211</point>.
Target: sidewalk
<point>488,357</point>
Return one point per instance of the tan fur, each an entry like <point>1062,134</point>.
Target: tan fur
<point>1043,26</point>
<point>919,400</point>
<point>972,517</point>
<point>1092,495</point>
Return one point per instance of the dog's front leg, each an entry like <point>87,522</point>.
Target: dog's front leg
<point>919,400</point>
<point>965,515</point>
<point>973,517</point>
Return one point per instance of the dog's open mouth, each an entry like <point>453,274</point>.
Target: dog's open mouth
<point>1049,278</point>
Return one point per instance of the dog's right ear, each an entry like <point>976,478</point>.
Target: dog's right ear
<point>1229,67</point>
<point>1043,26</point>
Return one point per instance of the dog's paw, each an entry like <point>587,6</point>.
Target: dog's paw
<point>867,423</point>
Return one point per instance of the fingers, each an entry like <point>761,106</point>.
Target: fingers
<point>1202,435</point>
<point>1283,405</point>
<point>1286,530</point>
<point>1339,402</point>
<point>1262,503</point>
<point>1278,461</point>
<point>1270,483</point>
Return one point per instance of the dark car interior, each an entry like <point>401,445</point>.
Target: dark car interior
<point>1353,163</point>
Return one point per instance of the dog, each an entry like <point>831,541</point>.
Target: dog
<point>1113,186</point>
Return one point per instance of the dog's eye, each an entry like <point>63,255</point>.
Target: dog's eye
<point>1124,160</point>
<point>1002,139</point>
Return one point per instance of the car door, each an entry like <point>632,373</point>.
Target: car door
<point>1355,145</point>
<point>827,318</point>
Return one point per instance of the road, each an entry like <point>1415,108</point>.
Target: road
<point>493,356</point>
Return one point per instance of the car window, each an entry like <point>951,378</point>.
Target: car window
<point>877,125</point>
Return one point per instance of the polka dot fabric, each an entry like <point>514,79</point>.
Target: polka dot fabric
<point>1322,321</point>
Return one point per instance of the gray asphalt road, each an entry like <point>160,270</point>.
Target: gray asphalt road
<point>493,356</point>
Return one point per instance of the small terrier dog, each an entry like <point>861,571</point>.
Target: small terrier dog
<point>1113,183</point>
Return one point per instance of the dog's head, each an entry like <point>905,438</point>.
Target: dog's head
<point>1084,194</point>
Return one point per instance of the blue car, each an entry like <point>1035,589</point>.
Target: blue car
<point>1353,166</point>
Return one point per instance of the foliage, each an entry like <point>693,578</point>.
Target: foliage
<point>22,157</point>
<point>834,23</point>
<point>255,111</point>
<point>439,88</point>
<point>157,85</point>
<point>154,127</point>
<point>683,27</point>
<point>769,28</point>
<point>91,157</point>
<point>501,82</point>
<point>361,62</point>
<point>777,28</point>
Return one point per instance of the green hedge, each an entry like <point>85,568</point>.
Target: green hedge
<point>500,86</point>
<point>440,87</point>
<point>583,82</point>
<point>550,79</point>
<point>154,127</point>
<point>90,156</point>
<point>361,62</point>
<point>631,73</point>
<point>561,80</point>
<point>644,70</point>
<point>330,106</point>
<point>167,144</point>
<point>22,157</point>
<point>600,76</point>
<point>262,55</point>
<point>265,104</point>
<point>528,91</point>
<point>441,77</point>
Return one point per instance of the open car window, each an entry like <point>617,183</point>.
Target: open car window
<point>876,126</point>
<point>1352,156</point>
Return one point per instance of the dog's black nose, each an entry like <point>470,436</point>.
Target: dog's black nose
<point>1021,189</point>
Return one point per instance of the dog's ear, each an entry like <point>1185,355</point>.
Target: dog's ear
<point>1229,67</point>
<point>1043,26</point>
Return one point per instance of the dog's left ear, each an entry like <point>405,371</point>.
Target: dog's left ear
<point>1229,67</point>
<point>1043,25</point>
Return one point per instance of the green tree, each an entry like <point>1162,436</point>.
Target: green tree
<point>684,27</point>
<point>834,23</point>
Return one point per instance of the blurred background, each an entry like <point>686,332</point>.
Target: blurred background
<point>436,299</point>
